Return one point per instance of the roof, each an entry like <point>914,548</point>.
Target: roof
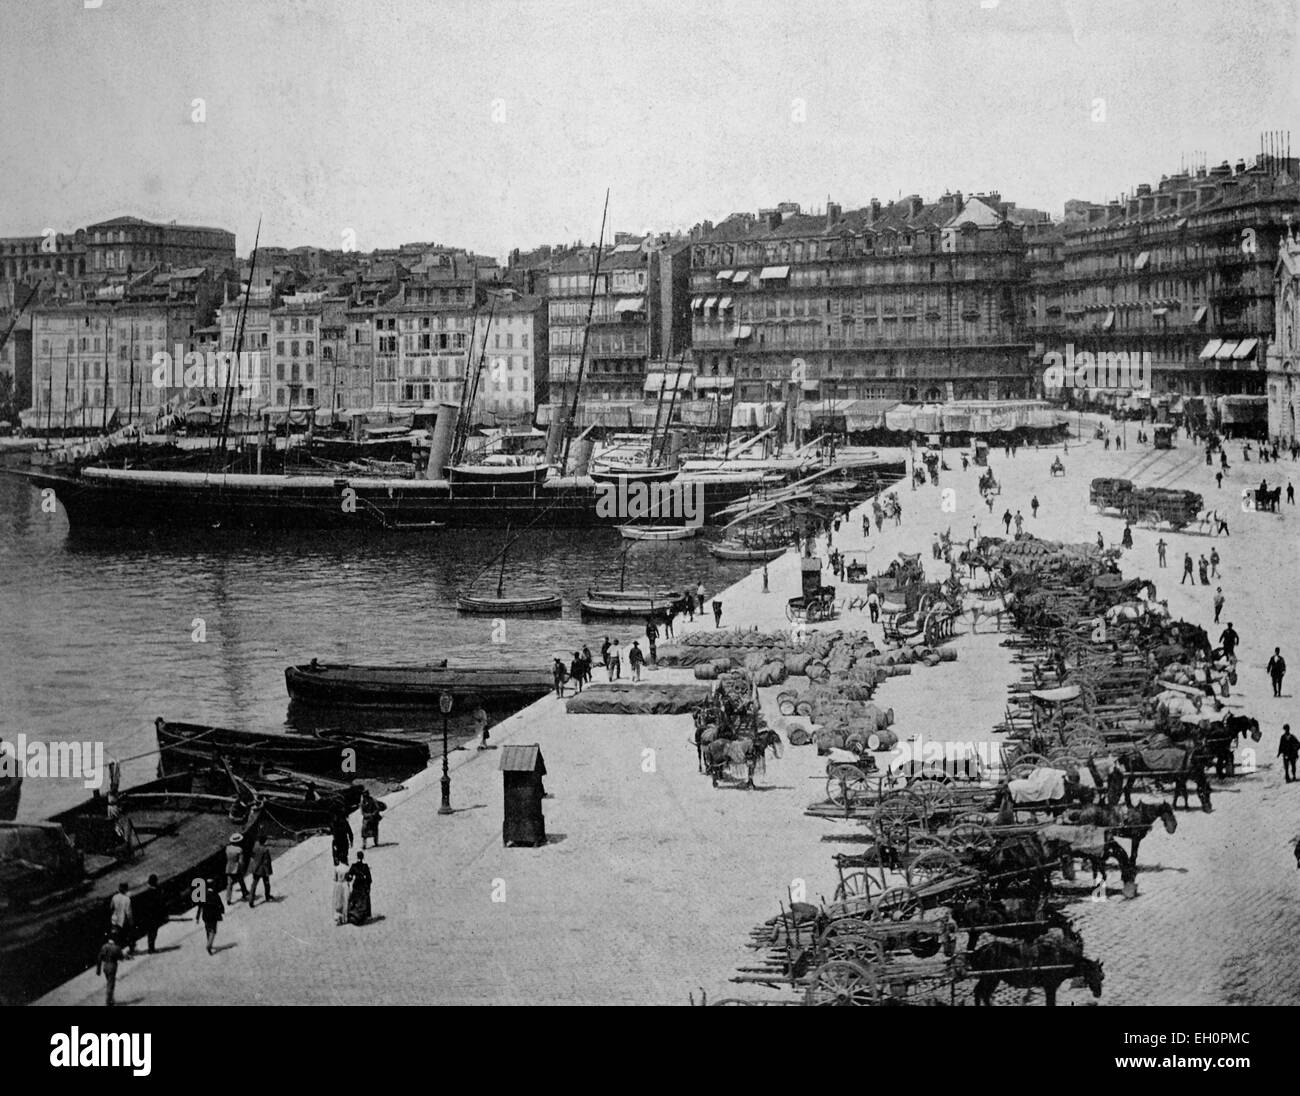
<point>522,759</point>
<point>118,222</point>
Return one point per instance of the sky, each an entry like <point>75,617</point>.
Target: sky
<point>493,124</point>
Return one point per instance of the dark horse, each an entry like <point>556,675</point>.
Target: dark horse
<point>1218,742</point>
<point>724,756</point>
<point>1168,762</point>
<point>1045,963</point>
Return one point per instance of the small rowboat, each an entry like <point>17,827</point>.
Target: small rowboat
<point>546,602</point>
<point>413,686</point>
<point>380,750</point>
<point>638,593</point>
<point>629,608</point>
<point>612,473</point>
<point>746,552</point>
<point>181,744</point>
<point>658,532</point>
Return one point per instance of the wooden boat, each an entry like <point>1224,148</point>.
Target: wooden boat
<point>56,877</point>
<point>182,744</point>
<point>636,593</point>
<point>413,686</point>
<point>625,609</point>
<point>380,750</point>
<point>612,473</point>
<point>746,552</point>
<point>548,602</point>
<point>658,532</point>
<point>491,474</point>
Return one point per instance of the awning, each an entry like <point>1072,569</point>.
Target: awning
<point>1159,311</point>
<point>1141,260</point>
<point>744,331</point>
<point>697,303</point>
<point>774,272</point>
<point>703,383</point>
<point>1225,352</point>
<point>724,304</point>
<point>811,386</point>
<point>1199,315</point>
<point>1210,349</point>
<point>630,304</point>
<point>710,303</point>
<point>740,277</point>
<point>1245,350</point>
<point>725,275</point>
<point>1109,322</point>
<point>667,382</point>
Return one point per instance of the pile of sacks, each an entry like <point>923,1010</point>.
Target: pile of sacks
<point>838,718</point>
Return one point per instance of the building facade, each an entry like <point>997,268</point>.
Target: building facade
<point>130,244</point>
<point>511,335</point>
<point>1283,361</point>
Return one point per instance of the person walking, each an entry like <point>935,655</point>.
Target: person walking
<point>1126,540</point>
<point>1218,603</point>
<point>1203,569</point>
<point>1277,670</point>
<point>651,636</point>
<point>1187,569</point>
<point>576,671</point>
<point>110,954</point>
<point>615,662</point>
<point>669,613</point>
<point>150,913</point>
<point>234,862</point>
<point>211,911</point>
<point>1290,493</point>
<point>359,876</point>
<point>717,613</point>
<point>1161,548</point>
<point>604,653</point>
<point>1218,476</point>
<point>1288,749</point>
<point>1101,544</point>
<point>120,917</point>
<point>699,598</point>
<point>586,664</point>
<point>558,675</point>
<point>342,835</point>
<point>1229,640</point>
<point>873,606</point>
<point>636,660</point>
<point>260,863</point>
<point>1033,505</point>
<point>1006,521</point>
<point>1020,523</point>
<point>1214,563</point>
<point>371,809</point>
<point>340,895</point>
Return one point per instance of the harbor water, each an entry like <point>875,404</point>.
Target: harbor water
<point>100,634</point>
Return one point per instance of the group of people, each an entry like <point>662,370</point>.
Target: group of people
<point>1206,568</point>
<point>352,882</point>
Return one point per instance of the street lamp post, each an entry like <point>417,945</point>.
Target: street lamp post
<point>444,705</point>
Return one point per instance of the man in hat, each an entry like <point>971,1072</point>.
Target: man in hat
<point>636,660</point>
<point>119,916</point>
<point>261,865</point>
<point>1277,670</point>
<point>110,954</point>
<point>1229,640</point>
<point>1218,603</point>
<point>234,867</point>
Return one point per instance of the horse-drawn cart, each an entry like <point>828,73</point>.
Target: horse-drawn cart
<point>814,607</point>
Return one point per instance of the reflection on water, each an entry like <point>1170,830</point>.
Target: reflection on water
<point>101,634</point>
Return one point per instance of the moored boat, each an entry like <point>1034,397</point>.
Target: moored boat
<point>658,532</point>
<point>613,473</point>
<point>544,602</point>
<point>627,608</point>
<point>182,744</point>
<point>413,686</point>
<point>746,552</point>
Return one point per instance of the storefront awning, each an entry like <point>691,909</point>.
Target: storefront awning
<point>697,303</point>
<point>773,272</point>
<point>1245,350</point>
<point>1199,315</point>
<point>1109,322</point>
<point>744,331</point>
<point>709,304</point>
<point>725,275</point>
<point>708,383</point>
<point>1160,312</point>
<point>1141,260</point>
<point>724,304</point>
<point>740,277</point>
<point>1225,352</point>
<point>630,304</point>
<point>1210,349</point>
<point>667,382</point>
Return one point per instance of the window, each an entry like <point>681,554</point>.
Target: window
<point>311,347</point>
<point>296,376</point>
<point>523,342</point>
<point>279,372</point>
<point>310,324</point>
<point>311,372</point>
<point>510,342</point>
<point>293,325</point>
<point>293,348</point>
<point>279,326</point>
<point>279,346</point>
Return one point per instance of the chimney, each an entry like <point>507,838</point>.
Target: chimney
<point>875,210</point>
<point>1165,203</point>
<point>833,213</point>
<point>1186,198</point>
<point>1143,190</point>
<point>1240,169</point>
<point>1221,171</point>
<point>1133,207</point>
<point>771,218</point>
<point>1205,193</point>
<point>914,205</point>
<point>1146,203</point>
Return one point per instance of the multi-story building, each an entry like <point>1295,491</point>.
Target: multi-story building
<point>251,307</point>
<point>1283,362</point>
<point>295,350</point>
<point>511,335</point>
<point>908,301</point>
<point>52,258</point>
<point>624,333</point>
<point>1182,272</point>
<point>130,244</point>
<point>16,357</point>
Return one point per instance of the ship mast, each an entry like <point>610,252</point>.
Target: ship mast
<point>228,402</point>
<point>586,331</point>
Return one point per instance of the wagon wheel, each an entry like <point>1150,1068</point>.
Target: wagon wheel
<point>924,842</point>
<point>1063,757</point>
<point>1022,769</point>
<point>842,982</point>
<point>1033,760</point>
<point>932,865</point>
<point>857,948</point>
<point>902,806</point>
<point>971,837</point>
<point>936,795</point>
<point>856,884</point>
<point>891,831</point>
<point>846,784</point>
<point>896,904</point>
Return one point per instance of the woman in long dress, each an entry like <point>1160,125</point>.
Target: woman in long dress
<point>340,894</point>
<point>359,900</point>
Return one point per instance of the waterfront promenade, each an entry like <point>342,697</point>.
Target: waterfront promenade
<point>653,878</point>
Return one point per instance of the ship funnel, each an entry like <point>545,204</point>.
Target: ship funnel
<point>676,441</point>
<point>582,456</point>
<point>555,437</point>
<point>444,430</point>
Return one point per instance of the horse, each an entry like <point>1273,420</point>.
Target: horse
<point>728,755</point>
<point>1044,963</point>
<point>1218,742</point>
<point>1159,761</point>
